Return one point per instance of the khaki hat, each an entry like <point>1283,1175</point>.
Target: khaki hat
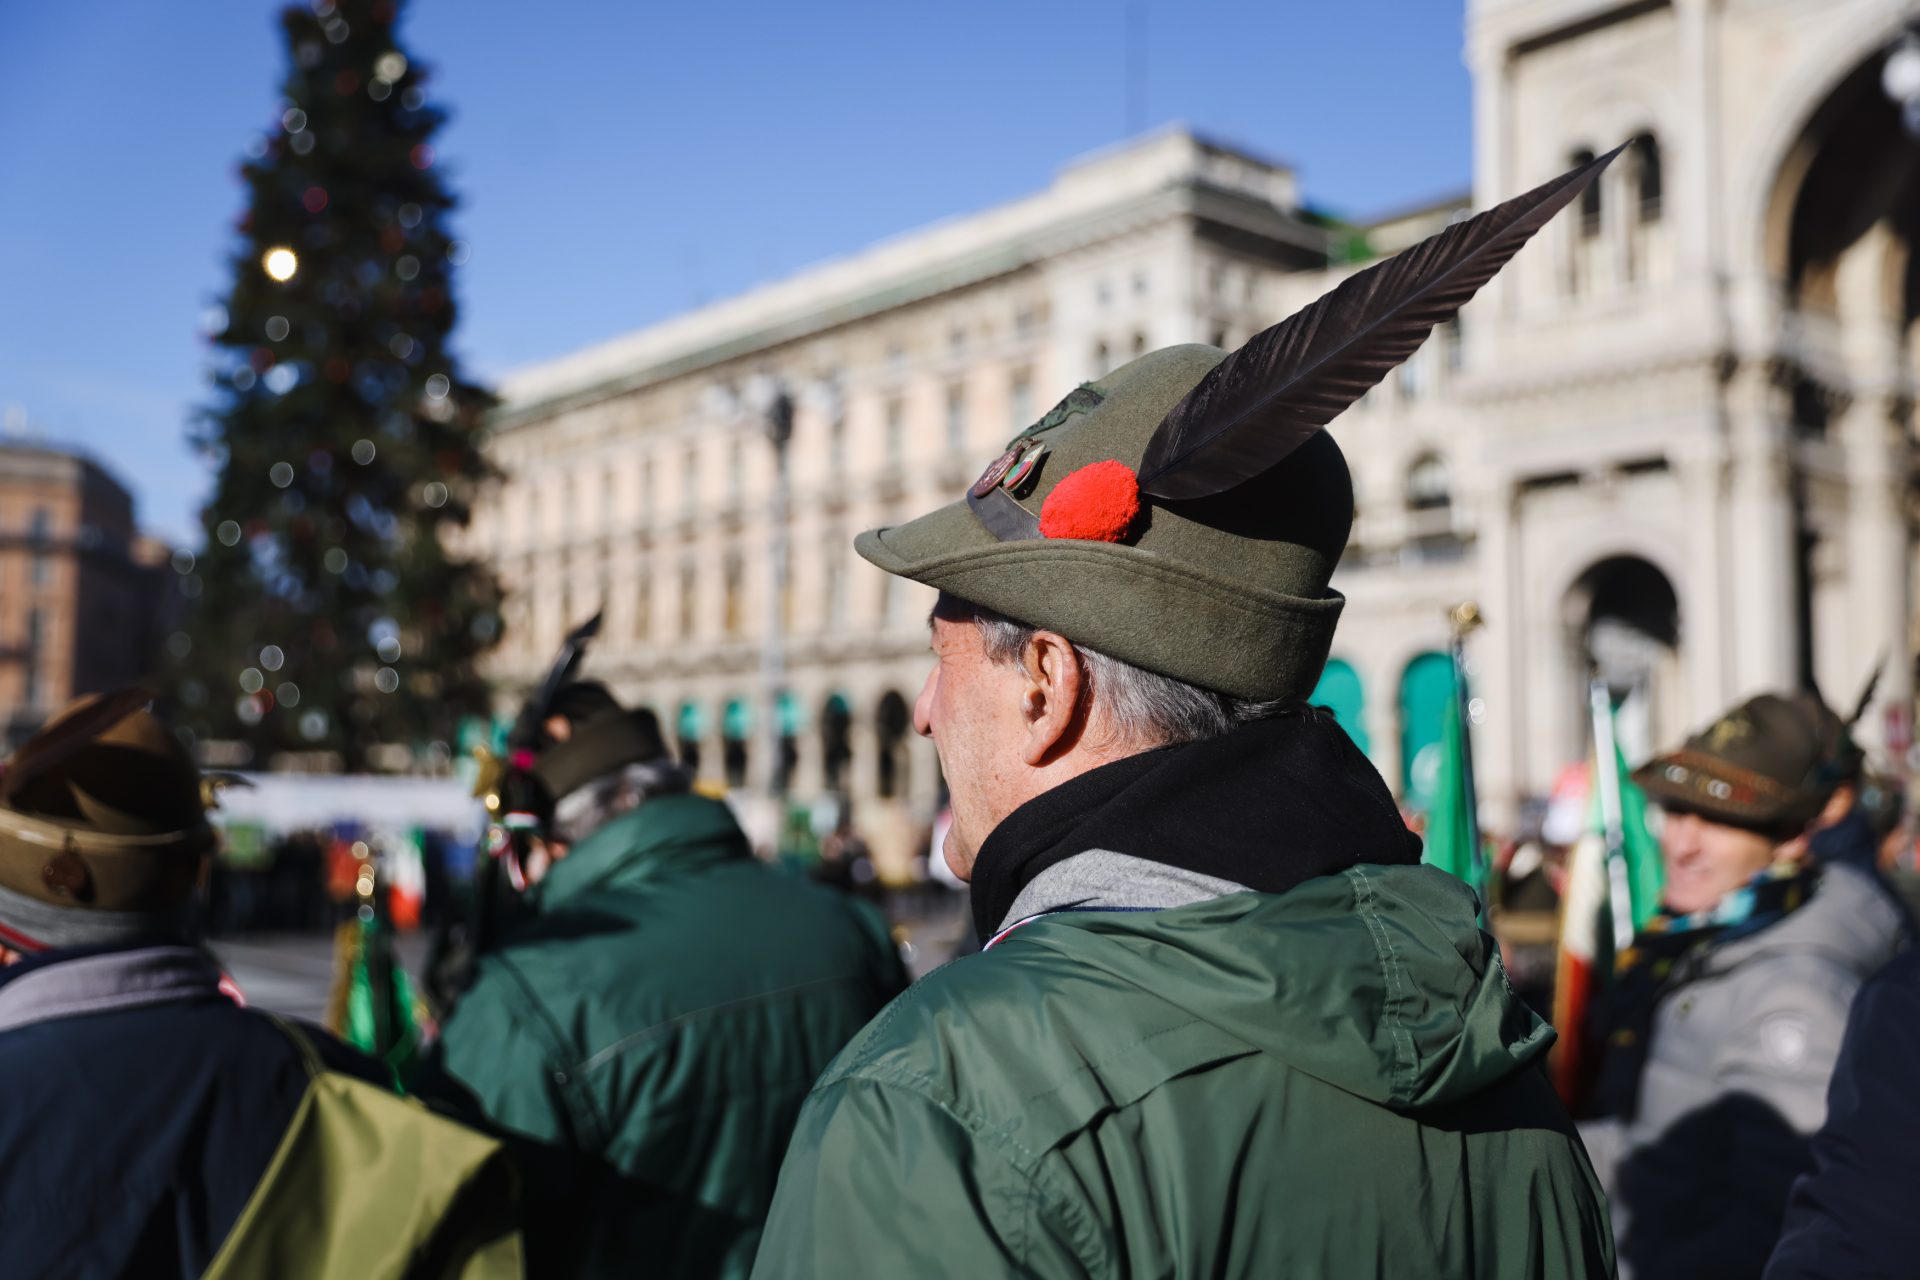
<point>103,811</point>
<point>1764,766</point>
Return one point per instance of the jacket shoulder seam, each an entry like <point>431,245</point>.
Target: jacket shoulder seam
<point>578,1101</point>
<point>1365,902</point>
<point>1040,1196</point>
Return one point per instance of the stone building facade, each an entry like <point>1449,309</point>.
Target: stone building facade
<point>1673,440</point>
<point>82,599</point>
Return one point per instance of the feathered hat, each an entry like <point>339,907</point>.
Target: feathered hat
<point>1184,513</point>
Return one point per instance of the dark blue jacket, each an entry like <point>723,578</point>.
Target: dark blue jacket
<point>1858,1213</point>
<point>130,1140</point>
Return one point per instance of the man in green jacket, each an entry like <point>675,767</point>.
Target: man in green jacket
<point>649,1031</point>
<point>1224,1024</point>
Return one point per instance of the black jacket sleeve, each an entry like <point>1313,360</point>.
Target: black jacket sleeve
<point>1854,1215</point>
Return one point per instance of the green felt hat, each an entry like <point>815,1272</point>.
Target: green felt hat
<point>1227,592</point>
<point>1766,765</point>
<point>1185,512</point>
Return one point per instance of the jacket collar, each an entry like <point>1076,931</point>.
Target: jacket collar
<point>666,835</point>
<point>107,981</point>
<point>1268,806</point>
<point>1102,880</point>
<point>1849,918</point>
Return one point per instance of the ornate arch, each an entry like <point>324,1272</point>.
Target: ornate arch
<point>1772,164</point>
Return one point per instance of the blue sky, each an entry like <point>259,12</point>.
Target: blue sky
<point>620,162</point>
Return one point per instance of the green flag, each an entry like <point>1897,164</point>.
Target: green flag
<point>1449,823</point>
<point>1646,872</point>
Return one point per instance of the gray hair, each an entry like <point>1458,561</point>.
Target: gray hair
<point>1140,706</point>
<point>585,809</point>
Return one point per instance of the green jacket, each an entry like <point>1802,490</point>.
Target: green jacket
<point>654,1029</point>
<point>1332,1082</point>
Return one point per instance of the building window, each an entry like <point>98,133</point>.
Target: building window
<point>689,481</point>
<point>35,626</point>
<point>1139,345</point>
<point>1428,488</point>
<point>733,589</point>
<point>646,489</point>
<point>896,432</point>
<point>736,472</point>
<point>957,340</point>
<point>835,604</point>
<point>1590,204</point>
<point>1647,177</point>
<point>1410,377</point>
<point>1103,293</point>
<point>956,418</point>
<point>689,599</point>
<point>1020,397</point>
<point>1023,322</point>
<point>837,447</point>
<point>37,530</point>
<point>1140,284</point>
<point>1451,344</point>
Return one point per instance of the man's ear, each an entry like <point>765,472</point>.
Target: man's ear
<point>1794,850</point>
<point>1053,699</point>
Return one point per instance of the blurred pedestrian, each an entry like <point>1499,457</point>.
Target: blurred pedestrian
<point>1225,1024</point>
<point>148,1113</point>
<point>649,1029</point>
<point>1720,1029</point>
<point>1853,1217</point>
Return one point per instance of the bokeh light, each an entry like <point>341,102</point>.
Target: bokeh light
<point>280,263</point>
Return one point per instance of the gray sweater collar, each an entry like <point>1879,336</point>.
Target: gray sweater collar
<point>103,983</point>
<point>1103,879</point>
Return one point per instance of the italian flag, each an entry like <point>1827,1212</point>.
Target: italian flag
<point>1586,956</point>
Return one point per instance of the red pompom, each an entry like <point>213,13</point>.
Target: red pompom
<point>1097,503</point>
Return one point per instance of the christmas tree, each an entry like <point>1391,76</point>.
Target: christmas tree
<point>331,612</point>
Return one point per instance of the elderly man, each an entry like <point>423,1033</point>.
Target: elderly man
<point>1225,1024</point>
<point>1723,1021</point>
<point>648,1032</point>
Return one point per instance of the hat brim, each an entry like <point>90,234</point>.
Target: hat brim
<point>1175,619</point>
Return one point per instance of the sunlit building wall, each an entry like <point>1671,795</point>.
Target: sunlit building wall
<point>1672,443</point>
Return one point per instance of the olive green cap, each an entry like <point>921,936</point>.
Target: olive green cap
<point>1766,765</point>
<point>1228,592</point>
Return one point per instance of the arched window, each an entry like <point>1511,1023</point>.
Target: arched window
<point>893,718</point>
<point>1647,176</point>
<point>836,739</point>
<point>1426,687</point>
<point>1590,206</point>
<point>1340,692</point>
<point>688,727</point>
<point>1428,486</point>
<point>736,727</point>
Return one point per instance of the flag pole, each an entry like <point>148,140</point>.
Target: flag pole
<point>1606,777</point>
<point>1465,619</point>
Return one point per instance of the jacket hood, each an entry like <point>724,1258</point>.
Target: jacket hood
<point>1376,980</point>
<point>666,834</point>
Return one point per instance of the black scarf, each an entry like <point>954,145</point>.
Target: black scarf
<point>1272,804</point>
